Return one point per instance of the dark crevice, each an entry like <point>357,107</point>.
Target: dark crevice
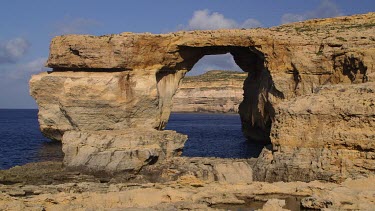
<point>74,51</point>
<point>68,117</point>
<point>296,77</point>
<point>53,133</point>
<point>152,160</point>
<point>256,111</point>
<point>352,67</point>
<point>320,51</point>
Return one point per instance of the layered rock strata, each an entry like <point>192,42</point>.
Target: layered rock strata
<point>328,135</point>
<point>59,190</point>
<point>282,62</point>
<point>215,92</point>
<point>127,81</point>
<point>119,151</point>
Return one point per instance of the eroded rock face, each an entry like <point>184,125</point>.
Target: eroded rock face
<point>206,169</point>
<point>95,101</point>
<point>120,150</point>
<point>127,81</point>
<point>282,62</point>
<point>327,135</point>
<point>52,191</point>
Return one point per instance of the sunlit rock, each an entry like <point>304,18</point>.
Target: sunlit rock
<point>127,82</point>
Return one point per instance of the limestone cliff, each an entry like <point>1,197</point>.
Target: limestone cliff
<point>126,82</point>
<point>215,91</point>
<point>328,135</point>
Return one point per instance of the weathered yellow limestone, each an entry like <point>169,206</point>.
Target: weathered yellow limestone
<point>126,82</point>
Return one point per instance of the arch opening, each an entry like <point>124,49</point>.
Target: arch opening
<point>247,58</point>
<point>256,111</point>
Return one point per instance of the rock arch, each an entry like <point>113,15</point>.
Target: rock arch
<point>107,94</point>
<point>256,111</point>
<point>126,83</point>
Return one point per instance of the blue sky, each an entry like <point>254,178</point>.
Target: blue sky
<point>26,27</point>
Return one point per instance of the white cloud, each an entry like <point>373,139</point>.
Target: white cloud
<point>290,18</point>
<point>12,50</point>
<point>14,80</point>
<point>203,19</point>
<point>326,9</point>
<point>214,62</point>
<point>206,20</point>
<point>251,23</point>
<point>70,25</point>
<point>25,70</point>
<point>36,66</point>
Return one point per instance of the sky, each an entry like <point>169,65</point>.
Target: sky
<point>27,27</point>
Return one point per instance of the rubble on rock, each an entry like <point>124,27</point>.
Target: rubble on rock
<point>62,190</point>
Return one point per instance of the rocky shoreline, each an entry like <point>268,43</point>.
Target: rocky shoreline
<point>308,98</point>
<point>48,186</point>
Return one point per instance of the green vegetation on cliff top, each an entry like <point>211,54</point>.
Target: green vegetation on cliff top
<point>216,75</point>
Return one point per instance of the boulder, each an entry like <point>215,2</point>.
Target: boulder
<point>120,151</point>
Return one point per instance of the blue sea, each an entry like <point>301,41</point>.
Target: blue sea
<point>210,135</point>
<point>213,135</point>
<point>21,140</point>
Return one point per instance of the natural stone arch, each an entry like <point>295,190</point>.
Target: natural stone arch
<point>256,111</point>
<point>107,94</point>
